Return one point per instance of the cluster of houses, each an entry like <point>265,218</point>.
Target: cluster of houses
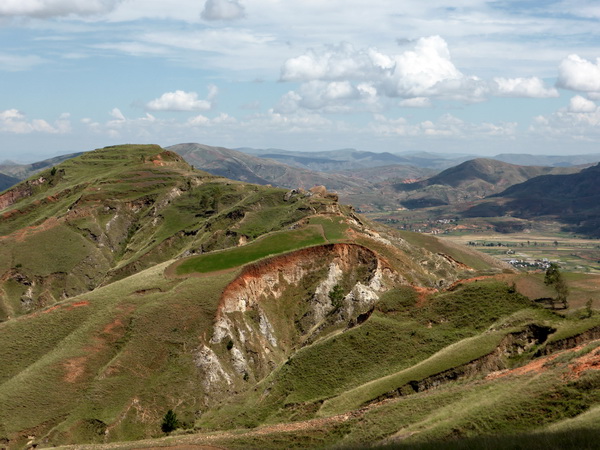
<point>542,264</point>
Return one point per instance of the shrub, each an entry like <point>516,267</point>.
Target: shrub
<point>169,422</point>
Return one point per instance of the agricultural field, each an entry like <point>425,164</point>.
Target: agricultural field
<point>573,254</point>
<point>509,239</point>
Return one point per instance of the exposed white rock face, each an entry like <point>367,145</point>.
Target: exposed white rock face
<point>209,363</point>
<point>321,303</point>
<point>222,329</point>
<point>266,328</point>
<point>290,291</point>
<point>239,362</point>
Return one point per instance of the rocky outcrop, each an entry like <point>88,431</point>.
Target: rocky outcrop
<point>280,304</point>
<point>512,345</point>
<point>570,342</point>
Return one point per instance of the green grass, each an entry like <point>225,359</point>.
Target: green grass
<point>132,340</point>
<point>273,244</point>
<point>333,227</point>
<point>452,356</point>
<point>574,327</point>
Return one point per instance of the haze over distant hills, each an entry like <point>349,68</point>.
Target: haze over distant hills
<point>548,160</point>
<point>351,159</point>
<point>243,167</point>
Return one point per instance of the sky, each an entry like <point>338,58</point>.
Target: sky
<point>464,76</point>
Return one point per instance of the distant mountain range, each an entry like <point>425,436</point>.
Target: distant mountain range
<point>471,180</point>
<point>573,199</point>
<point>352,159</point>
<point>548,160</point>
<point>251,169</point>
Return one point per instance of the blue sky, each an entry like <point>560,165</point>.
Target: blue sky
<point>471,76</point>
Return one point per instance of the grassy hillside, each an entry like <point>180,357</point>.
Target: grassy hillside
<point>133,284</point>
<point>114,211</point>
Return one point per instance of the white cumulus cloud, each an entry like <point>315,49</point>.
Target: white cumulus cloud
<point>336,62</point>
<point>53,8</point>
<point>223,10</point>
<point>532,87</point>
<point>422,70</point>
<point>579,104</point>
<point>116,113</point>
<point>14,121</point>
<point>344,78</point>
<point>579,74</point>
<point>183,101</point>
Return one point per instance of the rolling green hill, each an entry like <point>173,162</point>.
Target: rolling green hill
<point>133,284</point>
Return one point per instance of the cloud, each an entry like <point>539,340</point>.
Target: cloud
<point>417,76</point>
<point>426,70</point>
<point>580,121</point>
<point>14,121</point>
<point>53,8</point>
<point>337,62</point>
<point>579,104</point>
<point>203,121</point>
<point>423,70</point>
<point>532,87</point>
<point>117,114</point>
<point>578,74</point>
<point>222,10</point>
<point>16,63</point>
<point>416,102</point>
<point>446,126</point>
<point>183,101</point>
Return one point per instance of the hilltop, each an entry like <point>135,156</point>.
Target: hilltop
<point>134,284</point>
<point>571,199</point>
<point>471,180</point>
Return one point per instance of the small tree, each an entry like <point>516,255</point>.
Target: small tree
<point>555,279</point>
<point>336,295</point>
<point>169,422</point>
